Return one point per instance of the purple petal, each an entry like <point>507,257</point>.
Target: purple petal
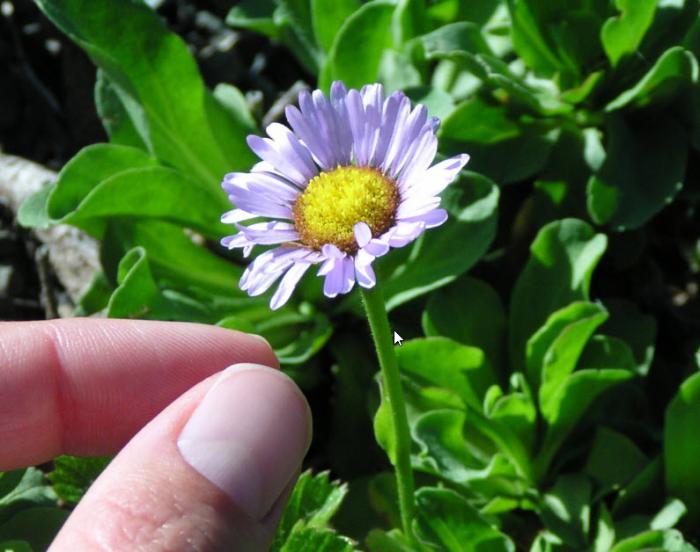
<point>405,232</point>
<point>348,275</point>
<point>288,284</point>
<point>269,266</point>
<point>260,207</point>
<point>332,252</point>
<point>373,100</point>
<point>336,115</point>
<point>363,233</point>
<point>421,154</point>
<point>378,246</point>
<point>404,133</point>
<point>306,126</point>
<point>236,215</point>
<point>431,219</point>
<point>390,112</point>
<point>339,102</point>
<point>282,156</point>
<point>236,240</point>
<point>265,233</point>
<point>358,126</point>
<point>333,283</point>
<point>364,273</point>
<point>416,205</point>
<point>439,176</point>
<point>256,280</point>
<point>290,146</point>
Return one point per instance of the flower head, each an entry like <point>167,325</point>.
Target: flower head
<point>350,180</point>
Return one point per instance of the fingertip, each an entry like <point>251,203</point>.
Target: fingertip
<point>249,435</point>
<point>214,468</point>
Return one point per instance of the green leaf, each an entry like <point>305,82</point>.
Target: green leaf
<point>313,538</point>
<point>603,351</point>
<point>605,531</point>
<point>114,116</point>
<point>22,488</point>
<point>384,425</point>
<point>614,460</point>
<point>295,16</point>
<point>562,259</point>
<point>442,362</point>
<point>72,476</point>
<point>516,413</point>
<point>530,39</point>
<point>313,502</point>
<point>447,520</point>
<point>480,122</point>
<point>655,541</point>
<point>467,448</point>
<point>294,337</point>
<point>682,447</point>
<point>438,102</point>
<point>357,49</point>
<point>172,256</point>
<point>471,312</point>
<point>158,82</point>
<point>139,296</point>
<point>15,546</point>
<point>233,100</point>
<point>96,297</point>
<point>455,453</point>
<point>676,67</point>
<point>646,488</point>
<point>409,21</point>
<point>567,405</point>
<point>622,34</point>
<point>91,166</point>
<point>642,173</point>
<point>255,15</point>
<point>538,346</point>
<point>566,509</point>
<point>37,526</point>
<point>328,17</point>
<point>463,36</point>
<point>472,207</point>
<point>108,180</point>
<point>33,212</point>
<point>635,328</point>
<point>562,356</point>
<point>669,515</point>
<point>383,497</point>
<point>397,72</point>
<point>391,541</point>
<point>477,11</point>
<point>149,192</point>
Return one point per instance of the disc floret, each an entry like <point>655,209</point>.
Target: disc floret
<point>335,201</point>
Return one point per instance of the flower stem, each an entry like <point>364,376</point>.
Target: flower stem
<point>393,394</point>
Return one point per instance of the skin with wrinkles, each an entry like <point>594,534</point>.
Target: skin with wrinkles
<point>96,387</point>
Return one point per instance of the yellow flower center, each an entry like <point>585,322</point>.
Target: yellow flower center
<point>336,200</point>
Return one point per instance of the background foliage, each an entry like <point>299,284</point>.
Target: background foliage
<point>554,394</point>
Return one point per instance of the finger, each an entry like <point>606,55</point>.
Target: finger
<point>211,472</point>
<point>85,386</point>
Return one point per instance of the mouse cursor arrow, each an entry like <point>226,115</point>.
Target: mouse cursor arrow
<point>397,339</point>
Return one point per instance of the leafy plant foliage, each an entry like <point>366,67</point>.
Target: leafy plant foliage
<point>545,414</point>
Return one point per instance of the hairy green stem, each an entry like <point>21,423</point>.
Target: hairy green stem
<point>393,395</point>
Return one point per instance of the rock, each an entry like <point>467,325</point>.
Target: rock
<point>72,254</point>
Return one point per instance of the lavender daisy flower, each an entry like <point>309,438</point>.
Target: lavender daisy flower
<point>349,181</point>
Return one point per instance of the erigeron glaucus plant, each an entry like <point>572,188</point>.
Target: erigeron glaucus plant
<point>350,181</point>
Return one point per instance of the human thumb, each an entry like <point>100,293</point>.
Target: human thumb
<point>211,472</point>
